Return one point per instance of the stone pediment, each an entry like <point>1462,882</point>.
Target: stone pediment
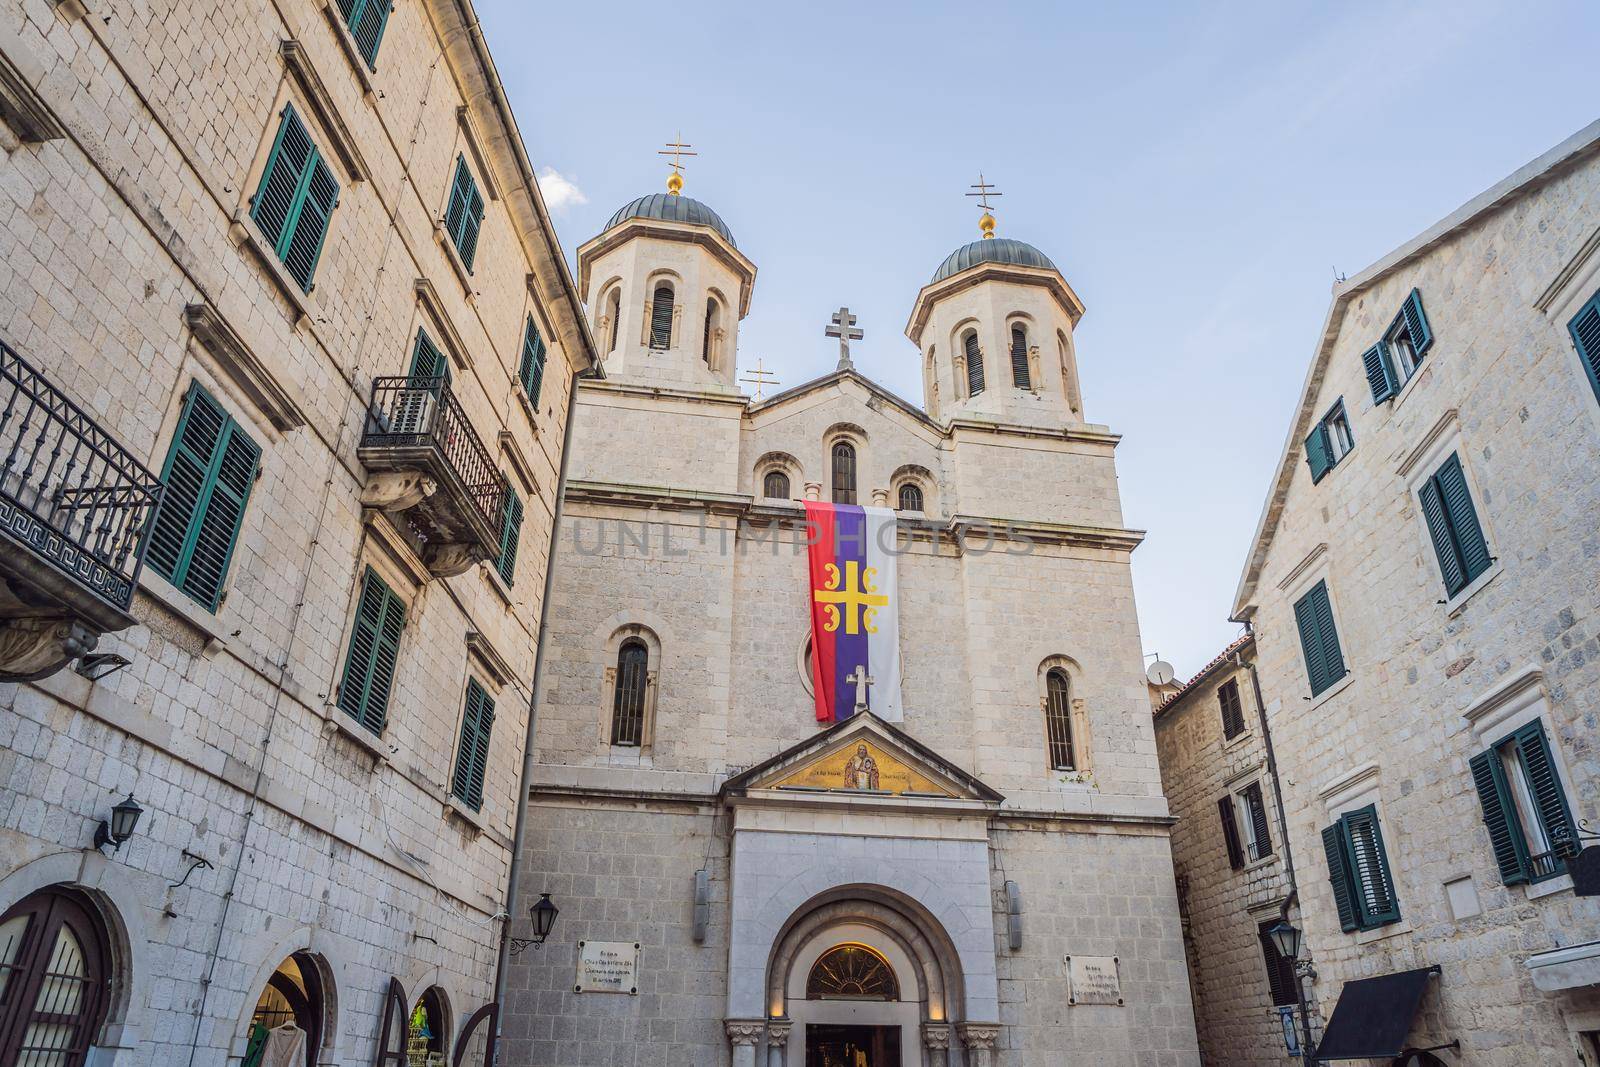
<point>861,758</point>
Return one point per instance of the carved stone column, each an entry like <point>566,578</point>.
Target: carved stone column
<point>880,498</point>
<point>936,1042</point>
<point>813,490</point>
<point>743,1035</point>
<point>777,1041</point>
<point>979,1038</point>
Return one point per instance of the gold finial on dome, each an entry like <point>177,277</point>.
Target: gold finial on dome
<point>984,191</point>
<point>677,150</point>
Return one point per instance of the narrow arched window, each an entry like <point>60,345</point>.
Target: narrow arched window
<point>614,311</point>
<point>627,706</point>
<point>1069,380</point>
<point>910,497</point>
<point>844,473</point>
<point>711,330</point>
<point>55,960</point>
<point>1019,359</point>
<point>974,363</point>
<point>775,485</point>
<point>661,317</point>
<point>1058,719</point>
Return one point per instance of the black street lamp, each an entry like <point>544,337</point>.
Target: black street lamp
<point>543,915</point>
<point>1286,939</point>
<point>117,829</point>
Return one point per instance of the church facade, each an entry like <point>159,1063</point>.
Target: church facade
<point>983,878</point>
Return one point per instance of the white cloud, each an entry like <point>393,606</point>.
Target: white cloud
<point>560,192</point>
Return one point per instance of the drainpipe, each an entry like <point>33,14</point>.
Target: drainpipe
<point>514,883</point>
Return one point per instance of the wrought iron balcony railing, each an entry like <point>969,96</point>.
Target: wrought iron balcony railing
<point>70,493</point>
<point>419,424</point>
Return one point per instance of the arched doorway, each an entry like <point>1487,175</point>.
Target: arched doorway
<point>427,1031</point>
<point>286,1027</point>
<point>55,980</point>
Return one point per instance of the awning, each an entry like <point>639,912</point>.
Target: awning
<point>1374,1015</point>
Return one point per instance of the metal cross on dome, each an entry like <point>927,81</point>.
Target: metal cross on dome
<point>844,328</point>
<point>985,190</point>
<point>677,150</point>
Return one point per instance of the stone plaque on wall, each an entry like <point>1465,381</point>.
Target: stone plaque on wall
<point>608,967</point>
<point>1093,980</point>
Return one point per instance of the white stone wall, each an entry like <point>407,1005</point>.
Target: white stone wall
<point>1502,386</point>
<point>220,726</point>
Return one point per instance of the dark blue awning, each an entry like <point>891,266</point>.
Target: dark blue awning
<point>1374,1016</point>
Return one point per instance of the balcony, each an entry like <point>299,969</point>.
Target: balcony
<point>74,506</point>
<point>431,473</point>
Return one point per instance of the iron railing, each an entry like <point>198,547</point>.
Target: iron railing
<point>424,413</point>
<point>68,490</point>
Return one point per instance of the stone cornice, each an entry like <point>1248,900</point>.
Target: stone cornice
<point>298,63</point>
<point>246,370</point>
<point>687,233</point>
<point>991,272</point>
<point>658,392</point>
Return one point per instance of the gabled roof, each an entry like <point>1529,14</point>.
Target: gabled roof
<point>847,373</point>
<point>855,730</point>
<point>1573,150</point>
<point>1238,644</point>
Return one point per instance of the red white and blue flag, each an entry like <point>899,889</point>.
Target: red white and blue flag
<point>855,613</point>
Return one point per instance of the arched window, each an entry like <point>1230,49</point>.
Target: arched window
<point>775,485</point>
<point>628,703</point>
<point>55,961</point>
<point>614,312</point>
<point>974,363</point>
<point>1019,358</point>
<point>852,972</point>
<point>1069,380</point>
<point>661,317</point>
<point>844,473</point>
<point>910,497</point>
<point>1058,719</point>
<point>711,330</point>
<point>425,1029</point>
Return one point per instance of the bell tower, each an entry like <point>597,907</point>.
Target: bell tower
<point>994,326</point>
<point>666,288</point>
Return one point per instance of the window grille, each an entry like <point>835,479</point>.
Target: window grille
<point>910,497</point>
<point>1058,719</point>
<point>628,704</point>
<point>775,486</point>
<point>844,473</point>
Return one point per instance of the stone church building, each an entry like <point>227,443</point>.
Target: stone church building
<point>987,882</point>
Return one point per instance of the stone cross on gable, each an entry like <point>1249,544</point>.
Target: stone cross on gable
<point>844,328</point>
<point>860,680</point>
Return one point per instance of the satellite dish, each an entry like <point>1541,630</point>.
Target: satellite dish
<point>1160,673</point>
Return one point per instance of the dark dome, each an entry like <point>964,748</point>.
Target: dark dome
<point>670,207</point>
<point>991,250</point>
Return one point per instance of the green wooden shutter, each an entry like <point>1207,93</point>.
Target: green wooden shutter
<point>427,361</point>
<point>1230,832</point>
<point>367,20</point>
<point>374,650</point>
<point>464,216</point>
<point>510,534</point>
<point>1505,836</point>
<point>210,470</point>
<point>1585,330</point>
<point>473,227</point>
<point>1464,525</point>
<point>276,197</point>
<point>1444,546</point>
<point>1232,710</point>
<point>1380,372</point>
<point>456,210</point>
<point>1417,323</point>
<point>1339,876</point>
<point>1319,640</point>
<point>1548,796</point>
<point>1332,655</point>
<point>309,223</point>
<point>472,754</point>
<point>1319,457</point>
<point>1369,867</point>
<point>531,371</point>
<point>1256,806</point>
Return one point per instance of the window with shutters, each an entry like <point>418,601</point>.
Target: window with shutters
<point>843,456</point>
<point>629,694</point>
<point>367,20</point>
<point>1244,825</point>
<point>472,751</point>
<point>661,317</point>
<point>974,360</point>
<point>1393,360</point>
<point>1531,828</point>
<point>1281,980</point>
<point>427,361</point>
<point>1329,441</point>
<point>910,497</point>
<point>463,215</point>
<point>1228,813</point>
<point>1232,709</point>
<point>1319,640</point>
<point>775,485</point>
<point>1585,330</point>
<point>210,470</point>
<point>1453,526</point>
<point>1358,871</point>
<point>505,563</point>
<point>1021,374</point>
<point>296,198</point>
<point>369,663</point>
<point>1058,720</point>
<point>530,371</point>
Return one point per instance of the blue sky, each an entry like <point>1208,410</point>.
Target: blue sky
<point>1198,173</point>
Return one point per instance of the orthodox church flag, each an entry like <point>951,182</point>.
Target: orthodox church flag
<point>855,613</point>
